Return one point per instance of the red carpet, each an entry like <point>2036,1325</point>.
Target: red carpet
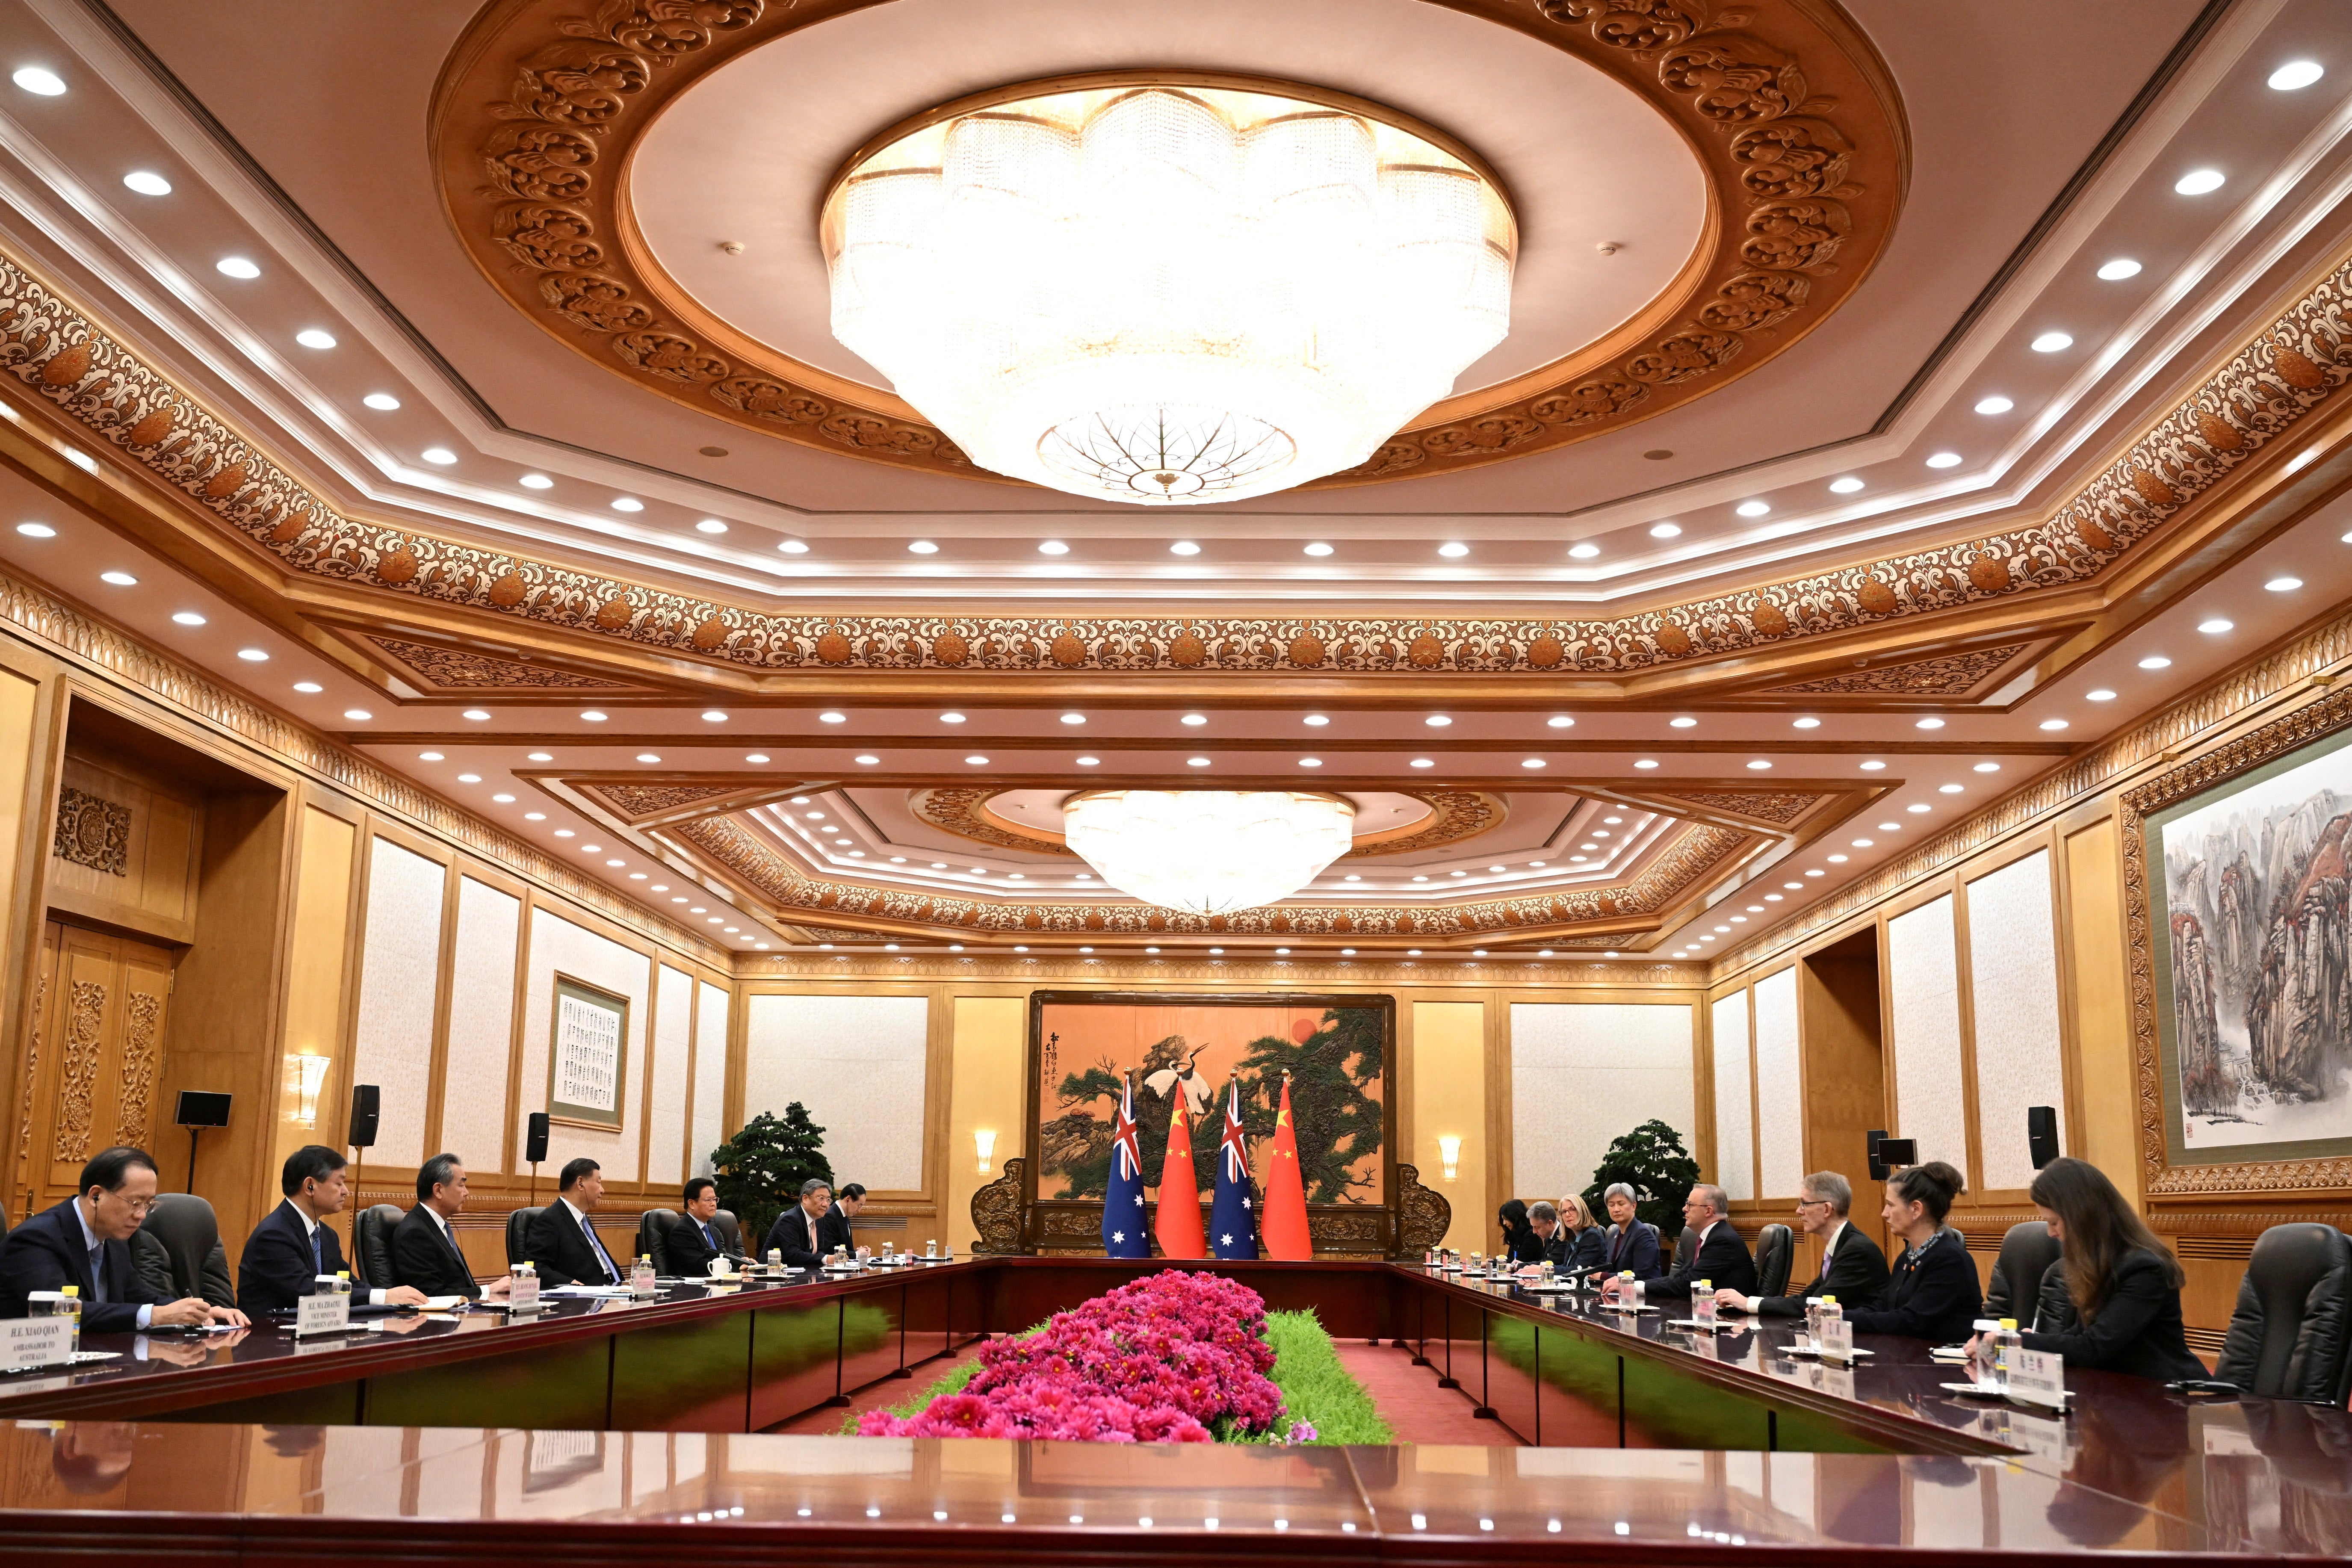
<point>1412,1403</point>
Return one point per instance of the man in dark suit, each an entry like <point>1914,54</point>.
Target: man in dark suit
<point>1853,1268</point>
<point>562,1242</point>
<point>425,1251</point>
<point>85,1242</point>
<point>695,1240</point>
<point>293,1246</point>
<point>1721,1258</point>
<point>835,1231</point>
<point>801,1233</point>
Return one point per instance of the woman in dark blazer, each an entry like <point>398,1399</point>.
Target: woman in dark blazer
<point>1520,1243</point>
<point>1582,1243</point>
<point>1932,1293</point>
<point>1630,1245</point>
<point>2112,1302</point>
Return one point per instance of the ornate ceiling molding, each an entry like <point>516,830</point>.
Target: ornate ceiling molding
<point>1455,817</point>
<point>433,667</point>
<point>1954,675</point>
<point>1781,809</point>
<point>1185,969</point>
<point>2243,408</point>
<point>1792,117</point>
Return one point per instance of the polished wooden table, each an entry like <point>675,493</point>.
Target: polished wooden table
<point>629,1423</point>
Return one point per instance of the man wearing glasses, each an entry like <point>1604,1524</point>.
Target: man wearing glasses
<point>1853,1268</point>
<point>85,1242</point>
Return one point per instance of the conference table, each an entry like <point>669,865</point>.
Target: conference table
<point>637,1427</point>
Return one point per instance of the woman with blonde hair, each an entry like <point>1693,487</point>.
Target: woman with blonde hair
<point>1579,1244</point>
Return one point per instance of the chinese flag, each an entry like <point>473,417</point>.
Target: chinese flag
<point>1178,1222</point>
<point>1285,1223</point>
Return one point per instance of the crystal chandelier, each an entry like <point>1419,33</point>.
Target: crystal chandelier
<point>1208,852</point>
<point>1165,290</point>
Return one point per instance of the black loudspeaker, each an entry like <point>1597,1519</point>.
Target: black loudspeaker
<point>2041,1134</point>
<point>200,1108</point>
<point>535,1146</point>
<point>366,1105</point>
<point>1870,1141</point>
<point>1894,1153</point>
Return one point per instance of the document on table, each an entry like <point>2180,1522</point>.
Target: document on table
<point>442,1304</point>
<point>588,1291</point>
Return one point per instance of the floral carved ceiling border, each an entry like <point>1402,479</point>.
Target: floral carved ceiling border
<point>2246,404</point>
<point>1788,111</point>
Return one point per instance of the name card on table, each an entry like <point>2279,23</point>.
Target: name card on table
<point>322,1312</point>
<point>35,1342</point>
<point>2037,1377</point>
<point>522,1295</point>
<point>1836,1340</point>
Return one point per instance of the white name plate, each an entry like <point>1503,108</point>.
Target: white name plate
<point>1836,1340</point>
<point>2037,1377</point>
<point>35,1342</point>
<point>324,1312</point>
<point>522,1295</point>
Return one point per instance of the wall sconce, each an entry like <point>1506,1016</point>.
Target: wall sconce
<point>305,1077</point>
<point>1449,1149</point>
<point>985,1142</point>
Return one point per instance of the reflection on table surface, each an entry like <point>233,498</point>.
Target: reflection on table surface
<point>2264,1478</point>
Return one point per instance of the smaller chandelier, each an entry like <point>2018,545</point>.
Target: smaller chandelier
<point>1208,852</point>
<point>1168,287</point>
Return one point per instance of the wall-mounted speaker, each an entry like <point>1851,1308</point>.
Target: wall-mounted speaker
<point>367,1104</point>
<point>535,1145</point>
<point>2041,1134</point>
<point>1870,1141</point>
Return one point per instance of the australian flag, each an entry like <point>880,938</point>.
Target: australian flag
<point>1124,1233</point>
<point>1232,1222</point>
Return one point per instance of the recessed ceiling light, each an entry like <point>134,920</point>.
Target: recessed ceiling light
<point>1073,718</point>
<point>566,833</point>
<point>923,547</point>
<point>313,338</point>
<point>1196,762</point>
<point>35,79</point>
<point>2155,661</point>
<point>2296,74</point>
<point>541,817</point>
<point>1646,763</point>
<point>1534,763</point>
<point>2101,695</point>
<point>1918,805</point>
<point>1453,549</point>
<point>1844,486</point>
<point>1423,762</point>
<point>1583,552</point>
<point>503,799</point>
<point>2198,182</point>
<point>867,762</point>
<point>2283,584</point>
<point>1684,723</point>
<point>977,761</point>
<point>1753,508</point>
<point>536,482</point>
<point>1090,762</point>
<point>1183,547</point>
<point>37,530</point>
<point>147,184</point>
<point>236,267</point>
<point>1666,531</point>
<point>309,687</point>
<point>710,525</point>
<point>592,716</point>
<point>1437,721</point>
<point>1805,724</point>
<point>382,401</point>
<point>1864,842</point>
<point>793,546</point>
<point>1873,767</point>
<point>1929,724</point>
<point>1994,404</point>
<point>1196,720</point>
<point>1315,720</point>
<point>429,756</point>
<point>1944,460</point>
<point>1319,548</point>
<point>1947,789</point>
<point>647,757</point>
<point>357,714</point>
<point>2216,626</point>
<point>2051,342</point>
<point>1835,859</point>
<point>1760,764</point>
<point>1560,722</point>
<point>830,717</point>
<point>1988,767</point>
<point>187,618</point>
<point>478,715</point>
<point>1053,547</point>
<point>440,456</point>
<point>1310,761</point>
<point>2053,723</point>
<point>2121,268</point>
<point>757,757</point>
<point>120,579</point>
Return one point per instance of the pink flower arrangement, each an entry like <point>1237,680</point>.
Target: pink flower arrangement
<point>1163,1360</point>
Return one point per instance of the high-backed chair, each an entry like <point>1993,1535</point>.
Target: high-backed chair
<point>185,1228</point>
<point>1685,1248</point>
<point>371,1244</point>
<point>730,1237</point>
<point>1776,1248</point>
<point>2288,1337</point>
<point>519,1232</point>
<point>2027,1253</point>
<point>653,1228</point>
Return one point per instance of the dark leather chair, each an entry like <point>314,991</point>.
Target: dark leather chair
<point>519,1233</point>
<point>2288,1338</point>
<point>1776,1249</point>
<point>2027,1253</point>
<point>653,1226</point>
<point>189,1232</point>
<point>1685,1248</point>
<point>731,1236</point>
<point>371,1244</point>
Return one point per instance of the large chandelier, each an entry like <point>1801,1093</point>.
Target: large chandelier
<point>1208,852</point>
<point>1168,289</point>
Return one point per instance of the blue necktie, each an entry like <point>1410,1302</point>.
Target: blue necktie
<point>708,1240</point>
<point>97,1272</point>
<point>589,1227</point>
<point>318,1254</point>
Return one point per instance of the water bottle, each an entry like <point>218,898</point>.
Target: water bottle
<point>2008,1340</point>
<point>642,1278</point>
<point>1813,1320</point>
<point>342,1282</point>
<point>1703,1303</point>
<point>69,1304</point>
<point>1984,1362</point>
<point>775,1258</point>
<point>1831,1312</point>
<point>932,1248</point>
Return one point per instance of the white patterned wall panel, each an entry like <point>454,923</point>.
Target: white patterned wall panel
<point>1735,1113</point>
<point>400,974</point>
<point>1581,1074</point>
<point>858,1064</point>
<point>557,945</point>
<point>709,1080</point>
<point>1779,1088</point>
<point>2013,988</point>
<point>672,1033</point>
<point>481,1025</point>
<point>1923,998</point>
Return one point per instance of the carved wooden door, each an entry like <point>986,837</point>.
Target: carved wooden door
<point>100,1051</point>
